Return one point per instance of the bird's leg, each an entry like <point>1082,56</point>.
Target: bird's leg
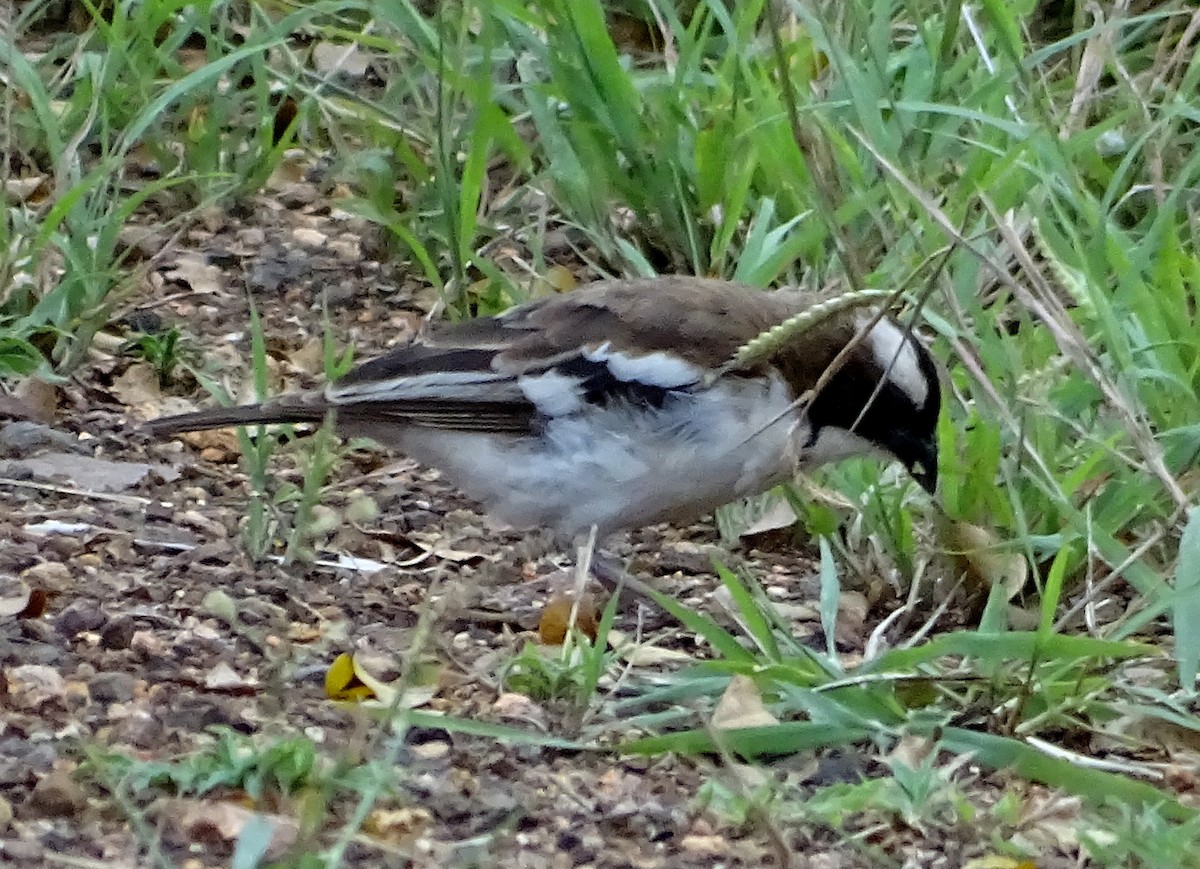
<point>583,565</point>
<point>606,570</point>
<point>618,581</point>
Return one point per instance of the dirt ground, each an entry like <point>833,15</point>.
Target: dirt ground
<point>147,624</point>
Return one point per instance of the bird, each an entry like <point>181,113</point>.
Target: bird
<point>626,403</point>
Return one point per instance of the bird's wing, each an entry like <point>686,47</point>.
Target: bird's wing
<point>637,341</point>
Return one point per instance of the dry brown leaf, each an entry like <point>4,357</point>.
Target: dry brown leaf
<point>311,357</point>
<point>397,826</point>
<point>218,445</point>
<point>712,846</point>
<point>983,557</point>
<point>196,272</point>
<point>777,516</point>
<point>518,707</point>
<point>39,397</point>
<point>220,823</point>
<point>25,189</point>
<point>556,615</point>
<point>998,861</point>
<point>645,654</point>
<point>342,58</point>
<point>291,170</point>
<point>298,632</point>
<point>912,751</point>
<point>741,706</point>
<point>138,387</point>
<point>849,630</point>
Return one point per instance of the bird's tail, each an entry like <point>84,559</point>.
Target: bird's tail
<point>268,413</point>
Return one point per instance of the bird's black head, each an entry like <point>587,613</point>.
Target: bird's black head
<point>888,394</point>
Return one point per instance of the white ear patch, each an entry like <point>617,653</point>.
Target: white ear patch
<point>893,350</point>
<point>652,369</point>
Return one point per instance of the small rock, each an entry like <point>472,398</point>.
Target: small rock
<point>6,813</point>
<point>310,237</point>
<point>18,851</point>
<point>140,729</point>
<point>118,633</point>
<point>57,795</point>
<point>31,686</point>
<point>21,438</point>
<point>51,575</point>
<point>83,615</point>
<point>149,645</point>
<point>430,750</point>
<point>297,196</point>
<point>113,687</point>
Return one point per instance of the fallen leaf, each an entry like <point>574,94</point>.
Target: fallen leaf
<point>849,629</point>
<point>221,823</point>
<point>342,683</point>
<point>23,189</point>
<point>997,861</point>
<point>561,278</point>
<point>983,557</point>
<point>40,397</point>
<point>556,617</point>
<point>912,751</point>
<point>777,515</point>
<point>644,654</point>
<point>138,387</point>
<point>218,445</point>
<point>310,358</point>
<point>709,847</point>
<point>341,58</point>
<point>741,705</point>
<point>518,707</point>
<point>195,271</point>
<point>298,632</point>
<point>348,679</point>
<point>56,526</point>
<point>397,826</point>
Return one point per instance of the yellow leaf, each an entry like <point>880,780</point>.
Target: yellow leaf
<point>348,679</point>
<point>342,682</point>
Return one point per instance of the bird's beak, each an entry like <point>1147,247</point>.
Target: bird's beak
<point>923,464</point>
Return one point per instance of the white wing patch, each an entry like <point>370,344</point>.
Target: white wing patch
<point>896,355</point>
<point>552,393</point>
<point>652,369</point>
<point>444,385</point>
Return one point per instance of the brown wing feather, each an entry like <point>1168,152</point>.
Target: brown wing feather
<point>703,321</point>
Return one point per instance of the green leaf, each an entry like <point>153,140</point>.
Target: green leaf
<point>1187,602</point>
<point>252,843</point>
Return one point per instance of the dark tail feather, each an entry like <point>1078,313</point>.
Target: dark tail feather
<point>225,417</point>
